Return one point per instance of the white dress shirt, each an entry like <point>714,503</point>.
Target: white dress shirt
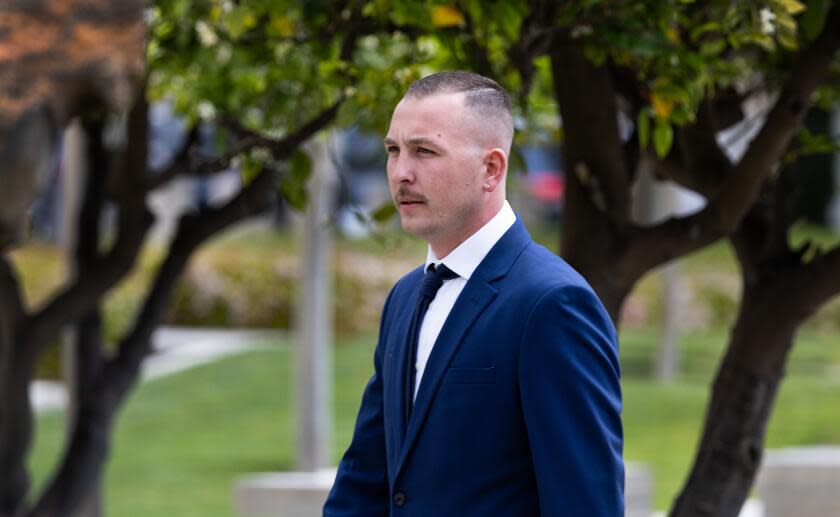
<point>463,260</point>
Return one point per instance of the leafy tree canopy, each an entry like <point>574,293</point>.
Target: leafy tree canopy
<point>270,64</point>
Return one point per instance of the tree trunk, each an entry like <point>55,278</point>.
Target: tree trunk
<point>780,292</point>
<point>75,487</point>
<point>79,474</point>
<point>86,346</point>
<point>80,471</point>
<point>742,399</point>
<point>597,203</point>
<point>15,431</point>
<point>15,374</point>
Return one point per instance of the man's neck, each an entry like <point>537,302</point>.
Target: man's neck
<point>442,248</point>
<point>465,257</point>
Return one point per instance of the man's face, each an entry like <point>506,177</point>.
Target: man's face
<point>435,169</point>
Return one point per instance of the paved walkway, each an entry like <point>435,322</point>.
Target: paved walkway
<point>751,508</point>
<point>176,349</point>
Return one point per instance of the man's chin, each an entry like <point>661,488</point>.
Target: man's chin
<point>413,226</point>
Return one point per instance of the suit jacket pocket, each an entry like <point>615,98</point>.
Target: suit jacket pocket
<point>471,375</point>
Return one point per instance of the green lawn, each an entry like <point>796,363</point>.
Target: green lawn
<point>183,440</point>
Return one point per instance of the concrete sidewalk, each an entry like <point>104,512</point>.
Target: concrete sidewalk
<point>175,349</point>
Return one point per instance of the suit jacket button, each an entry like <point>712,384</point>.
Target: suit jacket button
<point>399,499</point>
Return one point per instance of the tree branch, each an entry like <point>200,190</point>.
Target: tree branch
<point>83,459</point>
<point>255,198</point>
<point>535,39</point>
<point>179,164</point>
<point>781,192</point>
<point>627,84</point>
<point>738,191</point>
<point>697,161</point>
<point>741,187</point>
<point>355,29</point>
<point>88,349</point>
<point>819,280</point>
<point>248,139</point>
<point>84,293</point>
<point>653,246</point>
<point>81,296</point>
<point>703,164</point>
<point>81,465</point>
<point>281,148</point>
<point>750,241</point>
<point>110,383</point>
<point>11,300</point>
<point>478,51</point>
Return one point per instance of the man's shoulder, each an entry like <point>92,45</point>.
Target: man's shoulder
<point>408,283</point>
<point>541,279</point>
<point>540,268</point>
<point>413,276</point>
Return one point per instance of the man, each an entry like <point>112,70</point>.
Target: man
<point>502,398</point>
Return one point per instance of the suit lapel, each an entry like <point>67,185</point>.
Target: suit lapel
<point>477,294</point>
<point>395,398</point>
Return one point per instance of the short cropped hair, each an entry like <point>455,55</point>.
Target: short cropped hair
<point>482,94</point>
<point>478,90</point>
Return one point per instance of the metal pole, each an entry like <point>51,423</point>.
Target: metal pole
<point>73,164</point>
<point>654,202</point>
<point>314,380</point>
<point>833,216</point>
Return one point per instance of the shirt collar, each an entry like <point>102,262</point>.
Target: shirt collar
<point>464,259</point>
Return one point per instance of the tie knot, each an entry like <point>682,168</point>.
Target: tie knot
<point>434,278</point>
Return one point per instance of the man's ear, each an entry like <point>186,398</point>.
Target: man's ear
<point>495,168</point>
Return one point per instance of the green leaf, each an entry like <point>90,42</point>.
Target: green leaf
<point>384,212</point>
<point>704,28</point>
<point>788,40</point>
<point>713,47</point>
<point>643,128</point>
<point>786,22</point>
<point>250,168</point>
<point>511,18</point>
<point>240,20</point>
<point>294,183</point>
<point>446,16</point>
<point>595,54</point>
<point>764,41</point>
<point>793,6</point>
<point>663,137</point>
<point>813,19</point>
<point>516,161</point>
<point>280,26</point>
<point>301,165</point>
<point>819,143</point>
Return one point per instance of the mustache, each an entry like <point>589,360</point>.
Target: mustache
<point>403,194</point>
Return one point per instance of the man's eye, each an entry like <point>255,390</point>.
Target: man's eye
<point>423,150</point>
<point>392,149</point>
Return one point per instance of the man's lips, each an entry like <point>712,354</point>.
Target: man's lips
<point>410,201</point>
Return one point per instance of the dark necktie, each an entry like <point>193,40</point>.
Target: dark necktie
<point>432,281</point>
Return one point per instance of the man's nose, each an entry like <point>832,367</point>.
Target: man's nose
<point>402,170</point>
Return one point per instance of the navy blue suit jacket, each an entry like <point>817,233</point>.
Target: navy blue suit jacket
<point>518,411</point>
